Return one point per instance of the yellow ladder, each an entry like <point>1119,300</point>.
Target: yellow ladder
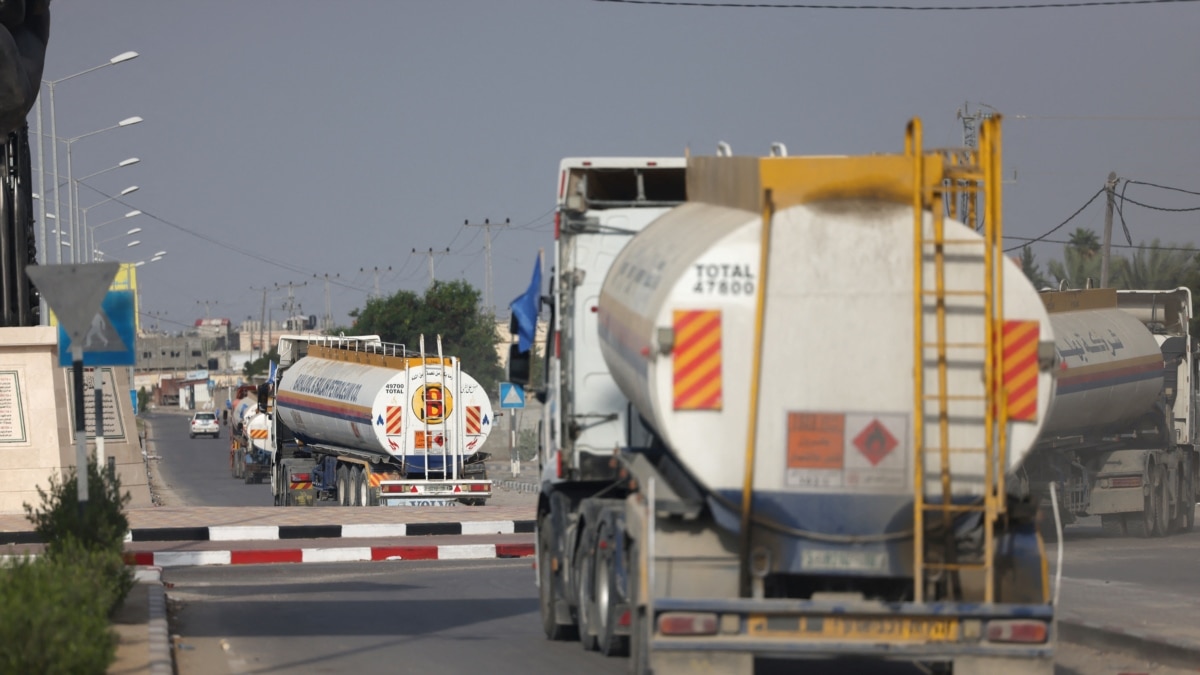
<point>939,179</point>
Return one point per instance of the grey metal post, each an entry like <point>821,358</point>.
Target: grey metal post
<point>58,219</point>
<point>1109,186</point>
<point>81,459</point>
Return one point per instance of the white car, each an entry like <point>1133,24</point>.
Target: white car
<point>204,424</point>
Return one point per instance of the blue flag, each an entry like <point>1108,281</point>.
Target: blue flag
<point>271,375</point>
<point>525,309</point>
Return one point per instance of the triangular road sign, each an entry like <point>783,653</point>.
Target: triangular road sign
<point>74,292</point>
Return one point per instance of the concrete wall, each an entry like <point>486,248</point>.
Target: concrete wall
<point>36,427</point>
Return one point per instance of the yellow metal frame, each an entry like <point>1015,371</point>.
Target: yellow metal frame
<point>975,174</point>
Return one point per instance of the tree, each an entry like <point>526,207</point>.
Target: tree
<point>261,365</point>
<point>1081,261</point>
<point>1032,270</point>
<point>1158,267</point>
<point>448,308</point>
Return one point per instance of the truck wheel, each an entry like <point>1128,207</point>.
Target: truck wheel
<point>606,602</point>
<point>356,486</point>
<point>547,598</point>
<point>585,576</point>
<point>1162,522</point>
<point>342,486</point>
<point>1188,503</point>
<point>1113,524</point>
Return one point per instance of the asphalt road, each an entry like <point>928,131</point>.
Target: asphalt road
<point>196,470</point>
<point>412,617</point>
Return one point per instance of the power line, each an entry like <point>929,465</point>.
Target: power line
<point>1148,247</point>
<point>906,8</point>
<point>1060,225</point>
<point>1161,187</point>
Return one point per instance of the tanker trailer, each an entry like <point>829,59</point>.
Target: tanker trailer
<point>820,429</point>
<point>1119,442</point>
<point>245,404</point>
<point>365,422</point>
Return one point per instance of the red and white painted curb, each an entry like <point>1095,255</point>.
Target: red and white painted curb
<point>316,555</point>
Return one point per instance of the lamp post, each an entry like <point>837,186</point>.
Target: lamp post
<point>84,227</point>
<point>91,229</point>
<point>131,231</point>
<point>119,58</point>
<point>101,255</point>
<point>72,187</point>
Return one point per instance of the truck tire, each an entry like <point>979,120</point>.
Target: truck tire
<point>1162,522</point>
<point>608,609</point>
<point>342,485</point>
<point>585,581</point>
<point>356,486</point>
<point>1189,501</point>
<point>547,598</point>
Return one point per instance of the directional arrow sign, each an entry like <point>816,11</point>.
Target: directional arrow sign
<point>74,292</point>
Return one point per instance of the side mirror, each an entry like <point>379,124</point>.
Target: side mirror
<point>518,365</point>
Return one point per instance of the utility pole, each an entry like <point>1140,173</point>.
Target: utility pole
<point>487,264</point>
<point>968,213</point>
<point>327,320</point>
<point>261,319</point>
<point>1109,187</point>
<point>432,253</point>
<point>290,305</point>
<point>206,304</point>
<point>378,293</point>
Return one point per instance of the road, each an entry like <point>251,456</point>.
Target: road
<point>382,617</point>
<point>196,470</point>
<point>368,617</point>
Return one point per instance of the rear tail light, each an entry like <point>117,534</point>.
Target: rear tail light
<point>301,477</point>
<point>391,488</point>
<point>1017,630</point>
<point>1126,482</point>
<point>479,487</point>
<point>687,623</point>
<point>625,619</point>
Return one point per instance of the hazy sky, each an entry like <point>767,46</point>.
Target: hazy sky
<point>335,137</point>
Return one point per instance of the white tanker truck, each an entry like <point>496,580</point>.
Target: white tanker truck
<point>1120,439</point>
<point>779,419</point>
<point>365,423</point>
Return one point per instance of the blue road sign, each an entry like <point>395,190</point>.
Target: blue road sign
<point>511,395</point>
<point>110,340</point>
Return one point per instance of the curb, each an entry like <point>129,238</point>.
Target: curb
<point>1153,648</point>
<point>158,642</point>
<point>278,532</point>
<point>161,559</point>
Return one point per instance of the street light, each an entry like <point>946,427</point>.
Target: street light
<point>102,255</point>
<point>119,58</point>
<point>84,230</point>
<point>72,186</point>
<point>132,230</point>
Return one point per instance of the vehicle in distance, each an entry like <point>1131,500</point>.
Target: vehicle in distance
<point>204,424</point>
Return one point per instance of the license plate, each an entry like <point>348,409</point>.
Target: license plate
<point>426,502</point>
<point>874,629</point>
<point>438,488</point>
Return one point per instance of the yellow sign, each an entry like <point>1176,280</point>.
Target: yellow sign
<point>850,628</point>
<point>432,403</point>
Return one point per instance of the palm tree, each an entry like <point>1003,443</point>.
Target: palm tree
<point>1081,261</point>
<point>1158,267</point>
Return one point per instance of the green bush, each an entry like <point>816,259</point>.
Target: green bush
<point>102,526</point>
<point>52,619</point>
<point>54,610</point>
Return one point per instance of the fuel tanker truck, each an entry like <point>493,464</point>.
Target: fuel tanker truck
<point>249,456</point>
<point>785,400</point>
<point>1120,439</point>
<point>366,422</point>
